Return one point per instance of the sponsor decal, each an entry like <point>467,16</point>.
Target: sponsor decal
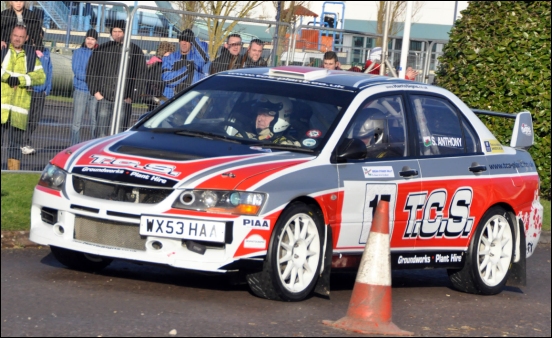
<point>157,167</point>
<point>309,142</point>
<point>425,259</point>
<point>517,165</point>
<point>488,146</point>
<point>314,133</point>
<point>433,224</point>
<point>256,223</point>
<point>102,170</point>
<point>287,79</point>
<point>526,129</point>
<point>443,141</point>
<point>254,242</point>
<point>494,145</point>
<point>371,172</point>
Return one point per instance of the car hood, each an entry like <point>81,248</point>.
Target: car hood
<point>169,160</point>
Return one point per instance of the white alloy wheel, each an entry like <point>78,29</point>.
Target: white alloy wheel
<point>299,253</point>
<point>495,250</point>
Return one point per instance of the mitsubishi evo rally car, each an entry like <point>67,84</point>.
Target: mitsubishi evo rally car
<point>197,185</point>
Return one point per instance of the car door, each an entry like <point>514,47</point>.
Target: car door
<point>455,176</point>
<point>386,171</point>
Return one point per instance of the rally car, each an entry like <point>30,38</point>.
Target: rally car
<point>201,184</point>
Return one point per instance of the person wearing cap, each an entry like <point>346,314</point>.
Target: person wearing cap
<point>372,65</point>
<point>229,55</point>
<point>38,95</point>
<point>102,78</point>
<point>252,58</point>
<point>83,101</point>
<point>186,66</point>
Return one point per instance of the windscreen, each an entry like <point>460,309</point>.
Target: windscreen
<point>254,111</point>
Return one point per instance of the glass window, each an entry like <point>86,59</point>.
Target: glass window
<point>440,130</point>
<point>380,124</point>
<point>253,112</point>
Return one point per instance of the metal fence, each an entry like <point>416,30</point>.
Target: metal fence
<point>53,118</point>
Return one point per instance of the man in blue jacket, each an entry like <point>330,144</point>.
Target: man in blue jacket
<point>83,101</point>
<point>186,66</point>
<point>38,96</point>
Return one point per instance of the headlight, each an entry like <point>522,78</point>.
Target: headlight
<point>222,202</point>
<point>52,177</point>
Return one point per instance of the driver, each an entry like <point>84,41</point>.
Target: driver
<point>272,120</point>
<point>373,131</point>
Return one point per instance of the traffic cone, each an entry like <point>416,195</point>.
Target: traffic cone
<point>370,306</point>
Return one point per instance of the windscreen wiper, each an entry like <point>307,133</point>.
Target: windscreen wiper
<point>281,146</point>
<point>205,135</point>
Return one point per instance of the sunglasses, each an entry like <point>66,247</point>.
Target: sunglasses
<point>236,44</point>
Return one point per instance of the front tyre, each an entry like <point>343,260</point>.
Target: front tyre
<point>489,257</point>
<point>80,261</point>
<point>292,266</point>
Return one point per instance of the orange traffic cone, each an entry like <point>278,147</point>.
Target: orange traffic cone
<point>370,306</point>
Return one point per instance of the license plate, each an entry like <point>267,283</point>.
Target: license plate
<point>182,228</point>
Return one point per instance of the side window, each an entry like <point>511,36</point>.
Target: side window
<point>380,124</point>
<point>440,129</point>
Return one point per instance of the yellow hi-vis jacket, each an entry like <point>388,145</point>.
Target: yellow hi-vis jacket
<point>16,102</point>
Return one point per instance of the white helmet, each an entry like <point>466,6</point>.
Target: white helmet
<point>279,107</point>
<point>372,125</point>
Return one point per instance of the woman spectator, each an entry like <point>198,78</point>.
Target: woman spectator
<point>155,86</point>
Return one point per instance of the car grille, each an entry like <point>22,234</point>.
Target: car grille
<point>119,192</point>
<point>104,232</point>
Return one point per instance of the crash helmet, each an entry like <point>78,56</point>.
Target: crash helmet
<point>277,106</point>
<point>372,124</point>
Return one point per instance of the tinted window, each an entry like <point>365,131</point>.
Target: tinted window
<point>440,129</point>
<point>380,124</point>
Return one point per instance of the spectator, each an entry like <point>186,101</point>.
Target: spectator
<point>155,86</point>
<point>102,79</point>
<point>20,68</point>
<point>252,58</point>
<point>355,69</point>
<point>372,65</point>
<point>38,95</point>
<point>18,13</point>
<point>83,101</point>
<point>229,54</point>
<point>185,67</point>
<point>331,62</point>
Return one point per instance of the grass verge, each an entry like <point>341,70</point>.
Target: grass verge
<point>17,193</point>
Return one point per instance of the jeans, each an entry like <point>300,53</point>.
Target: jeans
<point>82,102</point>
<point>35,113</point>
<point>14,140</point>
<point>105,116</point>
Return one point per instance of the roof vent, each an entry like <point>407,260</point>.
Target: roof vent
<point>302,73</point>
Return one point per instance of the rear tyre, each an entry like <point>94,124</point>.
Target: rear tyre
<point>292,266</point>
<point>489,257</point>
<point>80,261</point>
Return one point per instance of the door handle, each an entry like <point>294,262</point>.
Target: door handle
<point>477,168</point>
<point>408,172</point>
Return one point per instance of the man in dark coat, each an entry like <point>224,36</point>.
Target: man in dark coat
<point>17,13</point>
<point>252,58</point>
<point>229,55</point>
<point>102,77</point>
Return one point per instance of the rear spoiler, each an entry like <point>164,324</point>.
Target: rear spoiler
<point>522,135</point>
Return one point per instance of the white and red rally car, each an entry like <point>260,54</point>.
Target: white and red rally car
<point>201,184</point>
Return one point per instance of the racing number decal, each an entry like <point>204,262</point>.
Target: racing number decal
<point>374,194</point>
<point>433,223</point>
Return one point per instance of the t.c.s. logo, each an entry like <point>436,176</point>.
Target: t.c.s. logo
<point>433,223</point>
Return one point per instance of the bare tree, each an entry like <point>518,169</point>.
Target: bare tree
<point>186,21</point>
<point>396,23</point>
<point>219,29</point>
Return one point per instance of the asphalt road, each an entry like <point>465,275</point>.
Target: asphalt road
<point>42,298</point>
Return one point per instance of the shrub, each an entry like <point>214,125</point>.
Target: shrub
<point>498,58</point>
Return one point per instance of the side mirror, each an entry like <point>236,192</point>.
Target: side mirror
<point>350,149</point>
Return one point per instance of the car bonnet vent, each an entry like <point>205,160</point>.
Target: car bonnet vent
<point>157,153</point>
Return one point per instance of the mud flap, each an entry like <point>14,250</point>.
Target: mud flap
<point>322,287</point>
<point>518,271</point>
